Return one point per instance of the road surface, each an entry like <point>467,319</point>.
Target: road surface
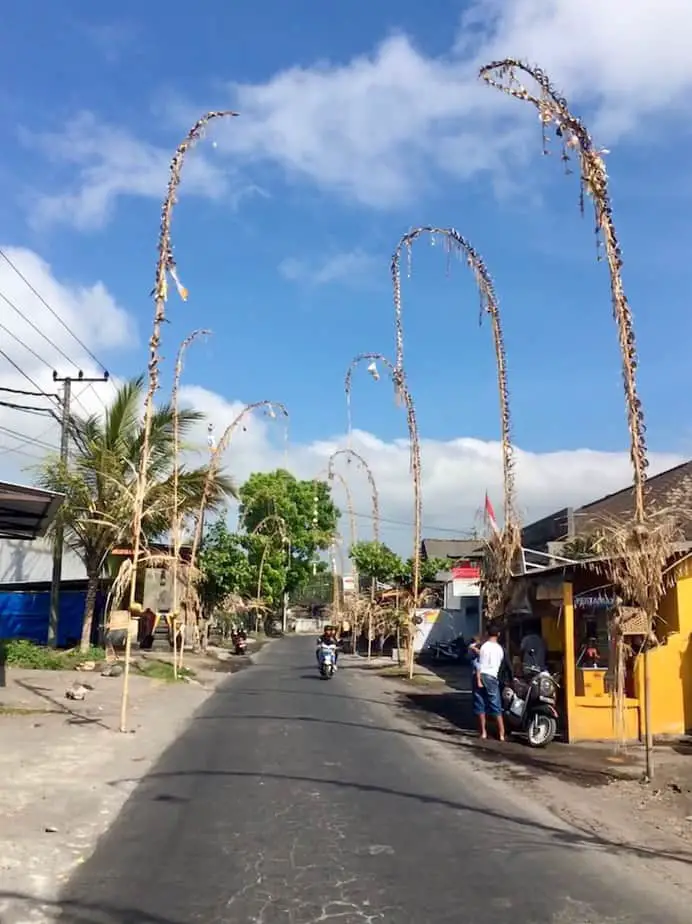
<point>291,800</point>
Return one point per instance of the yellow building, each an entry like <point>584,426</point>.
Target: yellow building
<point>574,603</point>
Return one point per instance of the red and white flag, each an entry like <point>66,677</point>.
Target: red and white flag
<point>490,515</point>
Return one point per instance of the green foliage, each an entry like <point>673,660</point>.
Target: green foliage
<point>99,481</point>
<point>376,560</point>
<point>287,522</point>
<point>279,536</point>
<point>224,564</point>
<point>29,656</point>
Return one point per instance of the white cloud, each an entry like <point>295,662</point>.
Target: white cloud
<point>374,127</point>
<point>456,473</point>
<point>108,162</point>
<point>385,126</point>
<point>352,267</point>
<point>90,311</point>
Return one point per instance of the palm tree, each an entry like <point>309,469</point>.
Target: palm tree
<point>99,482</point>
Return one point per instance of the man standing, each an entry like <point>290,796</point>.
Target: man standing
<point>486,694</point>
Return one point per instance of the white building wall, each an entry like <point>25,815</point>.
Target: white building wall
<point>24,562</point>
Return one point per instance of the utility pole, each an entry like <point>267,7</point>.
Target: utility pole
<point>54,618</point>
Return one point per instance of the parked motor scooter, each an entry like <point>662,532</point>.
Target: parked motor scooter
<point>529,706</point>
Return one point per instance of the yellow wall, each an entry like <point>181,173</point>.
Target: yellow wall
<point>670,667</point>
<point>670,664</point>
<point>592,719</point>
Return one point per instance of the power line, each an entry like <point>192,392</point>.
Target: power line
<point>29,394</point>
<point>20,370</point>
<point>38,330</point>
<point>30,408</point>
<point>27,439</point>
<point>404,524</point>
<point>52,311</point>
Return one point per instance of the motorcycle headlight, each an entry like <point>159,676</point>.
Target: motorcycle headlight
<point>546,686</point>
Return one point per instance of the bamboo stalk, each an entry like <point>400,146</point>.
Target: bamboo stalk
<point>165,267</point>
<point>398,378</point>
<point>574,137</point>
<point>351,454</point>
<point>176,525</point>
<point>636,554</point>
<point>509,540</point>
<point>215,461</point>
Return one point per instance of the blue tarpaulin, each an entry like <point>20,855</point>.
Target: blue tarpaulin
<point>25,614</point>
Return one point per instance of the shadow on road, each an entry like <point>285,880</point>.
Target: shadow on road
<point>83,913</point>
<point>541,834</point>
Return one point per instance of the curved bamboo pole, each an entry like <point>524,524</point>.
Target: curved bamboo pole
<point>352,454</point>
<point>272,407</point>
<point>574,137</point>
<point>176,525</point>
<point>165,267</point>
<point>274,518</point>
<point>637,553</point>
<point>401,389</point>
<point>455,243</point>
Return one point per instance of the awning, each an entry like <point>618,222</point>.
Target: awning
<point>26,513</point>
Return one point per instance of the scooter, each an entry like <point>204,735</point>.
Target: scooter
<point>326,659</point>
<point>529,706</point>
<point>239,643</point>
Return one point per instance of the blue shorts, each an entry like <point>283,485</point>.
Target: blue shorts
<point>486,699</point>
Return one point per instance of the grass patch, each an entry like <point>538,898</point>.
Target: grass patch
<point>23,710</point>
<point>29,656</point>
<point>161,670</point>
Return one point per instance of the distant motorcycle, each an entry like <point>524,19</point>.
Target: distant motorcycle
<point>239,640</point>
<point>529,706</point>
<point>326,660</point>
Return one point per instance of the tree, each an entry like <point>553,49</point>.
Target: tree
<point>286,523</point>
<point>224,565</point>
<point>376,561</point>
<point>99,481</point>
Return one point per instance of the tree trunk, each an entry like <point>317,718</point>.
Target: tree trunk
<point>89,607</point>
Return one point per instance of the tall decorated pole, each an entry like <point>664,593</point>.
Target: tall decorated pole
<point>503,546</point>
<point>403,394</point>
<point>636,552</point>
<point>176,523</point>
<point>165,269</point>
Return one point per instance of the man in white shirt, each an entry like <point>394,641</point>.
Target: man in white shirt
<point>486,693</point>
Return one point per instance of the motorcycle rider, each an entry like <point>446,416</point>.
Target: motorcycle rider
<point>328,638</point>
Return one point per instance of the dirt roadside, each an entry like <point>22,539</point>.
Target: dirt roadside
<point>591,789</point>
<point>54,756</point>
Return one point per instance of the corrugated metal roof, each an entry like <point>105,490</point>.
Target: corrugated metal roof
<point>26,512</point>
<point>453,548</point>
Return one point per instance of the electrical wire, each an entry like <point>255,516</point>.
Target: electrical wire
<point>38,330</point>
<point>52,311</point>
<point>29,408</point>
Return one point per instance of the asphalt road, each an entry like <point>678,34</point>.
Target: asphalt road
<point>298,801</point>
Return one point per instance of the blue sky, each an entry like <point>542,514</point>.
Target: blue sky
<point>359,121</point>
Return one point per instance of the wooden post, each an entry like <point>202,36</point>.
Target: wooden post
<point>569,677</point>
